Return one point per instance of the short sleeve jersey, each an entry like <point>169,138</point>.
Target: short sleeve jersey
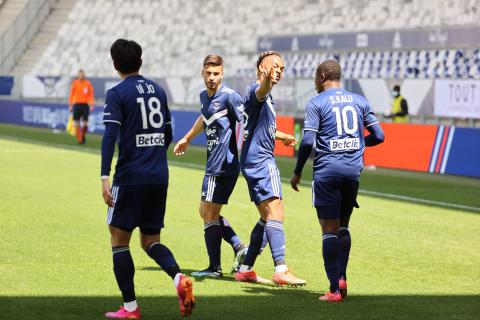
<point>139,106</point>
<point>220,113</point>
<point>338,117</point>
<point>260,129</point>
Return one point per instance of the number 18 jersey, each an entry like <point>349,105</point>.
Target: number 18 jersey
<point>339,118</point>
<point>139,106</point>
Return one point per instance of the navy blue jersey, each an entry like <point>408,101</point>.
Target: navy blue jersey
<point>260,129</point>
<point>140,107</point>
<point>339,118</point>
<point>220,114</point>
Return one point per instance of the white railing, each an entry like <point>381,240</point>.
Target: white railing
<point>16,37</point>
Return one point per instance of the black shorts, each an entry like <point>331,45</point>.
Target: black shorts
<point>81,111</point>
<point>334,197</point>
<point>218,189</point>
<point>138,206</point>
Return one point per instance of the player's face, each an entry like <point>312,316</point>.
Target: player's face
<point>81,75</point>
<point>276,63</point>
<point>212,76</point>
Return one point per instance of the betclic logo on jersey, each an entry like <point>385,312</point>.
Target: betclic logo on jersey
<point>345,144</point>
<point>150,139</point>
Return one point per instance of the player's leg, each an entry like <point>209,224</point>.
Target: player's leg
<point>77,113</point>
<point>230,236</point>
<point>349,195</point>
<point>121,226</point>
<point>85,114</point>
<point>210,213</point>
<point>326,199</point>
<point>274,212</point>
<point>151,221</point>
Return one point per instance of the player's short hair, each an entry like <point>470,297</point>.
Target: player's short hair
<point>213,60</point>
<point>330,69</point>
<point>126,56</point>
<point>396,88</point>
<point>265,54</point>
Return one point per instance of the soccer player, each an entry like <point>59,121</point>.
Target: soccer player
<point>136,110</point>
<point>334,123</point>
<point>81,103</point>
<point>221,108</point>
<point>260,170</point>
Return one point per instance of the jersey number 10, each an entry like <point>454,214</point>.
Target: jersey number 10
<point>342,122</point>
<point>155,109</point>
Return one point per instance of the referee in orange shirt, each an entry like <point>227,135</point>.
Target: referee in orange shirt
<point>81,103</point>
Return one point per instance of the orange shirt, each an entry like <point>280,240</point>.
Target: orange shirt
<point>81,92</point>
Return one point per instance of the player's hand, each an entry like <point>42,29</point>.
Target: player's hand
<point>181,146</point>
<point>295,181</point>
<point>92,107</point>
<point>289,140</point>
<point>107,193</point>
<point>70,108</point>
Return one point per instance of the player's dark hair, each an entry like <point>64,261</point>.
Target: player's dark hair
<point>330,69</point>
<point>126,56</point>
<point>396,88</point>
<point>213,59</point>
<point>265,54</point>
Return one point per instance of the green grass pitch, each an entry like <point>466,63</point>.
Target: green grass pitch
<point>408,260</point>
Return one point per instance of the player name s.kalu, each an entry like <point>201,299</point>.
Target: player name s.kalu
<point>150,139</point>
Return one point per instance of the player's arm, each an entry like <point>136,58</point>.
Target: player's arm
<point>404,107</point>
<point>267,81</point>
<point>376,135</point>
<point>108,149</point>
<point>306,146</point>
<point>311,125</point>
<point>183,143</point>
<point>287,139</point>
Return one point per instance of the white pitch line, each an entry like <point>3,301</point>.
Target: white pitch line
<point>201,167</point>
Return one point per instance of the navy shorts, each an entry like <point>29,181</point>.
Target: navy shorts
<point>81,111</point>
<point>217,189</point>
<point>334,197</point>
<point>263,182</point>
<point>138,206</point>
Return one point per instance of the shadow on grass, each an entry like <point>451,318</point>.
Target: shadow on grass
<point>262,303</point>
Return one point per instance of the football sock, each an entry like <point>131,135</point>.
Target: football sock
<point>84,131</point>
<point>130,306</point>
<point>330,258</point>
<point>164,258</point>
<point>213,241</point>
<point>264,242</point>
<point>78,133</point>
<point>276,239</point>
<point>344,244</point>
<point>256,238</point>
<point>124,272</point>
<point>229,235</point>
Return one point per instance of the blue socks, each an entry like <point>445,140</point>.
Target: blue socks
<point>344,244</point>
<point>330,258</point>
<point>276,239</point>
<point>164,258</point>
<point>124,270</point>
<point>256,238</point>
<point>229,235</point>
<point>213,241</point>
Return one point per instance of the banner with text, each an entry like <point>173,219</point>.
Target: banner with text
<point>457,98</point>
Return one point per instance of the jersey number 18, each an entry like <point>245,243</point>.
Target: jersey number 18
<point>154,106</point>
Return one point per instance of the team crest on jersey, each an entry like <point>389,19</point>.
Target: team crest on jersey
<point>216,105</point>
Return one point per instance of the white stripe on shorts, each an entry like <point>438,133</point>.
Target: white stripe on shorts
<point>273,176</point>
<point>211,188</point>
<point>313,193</point>
<point>111,209</point>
